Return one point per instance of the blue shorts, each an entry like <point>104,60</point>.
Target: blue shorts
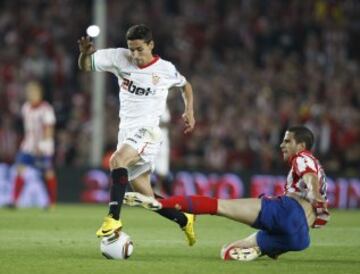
<point>283,226</point>
<point>39,162</point>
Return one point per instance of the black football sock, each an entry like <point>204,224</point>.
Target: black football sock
<point>120,181</point>
<point>172,214</point>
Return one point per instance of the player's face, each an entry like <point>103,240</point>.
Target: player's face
<point>33,93</point>
<point>289,147</point>
<point>141,52</point>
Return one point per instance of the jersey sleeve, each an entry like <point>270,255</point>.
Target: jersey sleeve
<point>303,165</point>
<point>178,80</point>
<point>110,60</point>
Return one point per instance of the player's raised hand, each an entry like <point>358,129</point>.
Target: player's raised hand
<point>86,46</point>
<point>189,120</point>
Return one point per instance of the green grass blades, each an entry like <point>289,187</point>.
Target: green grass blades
<point>64,241</point>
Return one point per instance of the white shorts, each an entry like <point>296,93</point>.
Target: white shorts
<point>147,142</point>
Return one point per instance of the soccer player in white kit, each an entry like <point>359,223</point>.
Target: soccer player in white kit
<point>144,80</point>
<point>37,146</point>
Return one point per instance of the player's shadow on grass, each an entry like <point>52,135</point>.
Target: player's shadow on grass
<point>175,257</point>
<point>319,261</point>
<point>144,257</point>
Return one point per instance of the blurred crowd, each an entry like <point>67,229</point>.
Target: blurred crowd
<point>256,67</point>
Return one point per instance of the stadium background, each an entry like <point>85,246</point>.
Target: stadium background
<point>255,66</point>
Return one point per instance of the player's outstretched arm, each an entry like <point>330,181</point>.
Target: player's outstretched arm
<point>188,115</point>
<point>318,202</point>
<point>313,185</point>
<point>86,48</point>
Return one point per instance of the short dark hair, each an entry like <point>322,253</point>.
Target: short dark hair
<point>139,32</point>
<point>303,135</point>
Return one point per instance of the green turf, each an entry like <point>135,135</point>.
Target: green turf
<point>63,241</point>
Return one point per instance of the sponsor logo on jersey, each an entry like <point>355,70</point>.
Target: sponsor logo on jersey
<point>132,88</point>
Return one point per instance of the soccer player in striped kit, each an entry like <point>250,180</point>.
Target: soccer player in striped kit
<point>37,146</point>
<point>283,221</point>
<point>144,80</point>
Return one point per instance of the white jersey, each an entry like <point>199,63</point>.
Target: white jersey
<point>143,90</point>
<point>35,120</point>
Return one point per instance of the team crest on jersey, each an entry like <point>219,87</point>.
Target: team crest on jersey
<point>155,79</point>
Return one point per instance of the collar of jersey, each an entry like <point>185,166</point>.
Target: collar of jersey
<point>154,60</point>
<point>298,154</point>
<point>36,105</point>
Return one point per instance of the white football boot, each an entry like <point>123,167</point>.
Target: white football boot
<point>239,254</point>
<point>137,199</point>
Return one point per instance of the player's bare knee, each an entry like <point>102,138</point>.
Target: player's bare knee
<point>118,160</point>
<point>20,169</point>
<point>49,174</point>
<point>115,161</point>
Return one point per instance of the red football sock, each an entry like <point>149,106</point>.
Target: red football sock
<point>19,185</point>
<point>51,185</point>
<point>193,204</point>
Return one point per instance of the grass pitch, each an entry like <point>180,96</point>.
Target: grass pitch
<point>63,241</point>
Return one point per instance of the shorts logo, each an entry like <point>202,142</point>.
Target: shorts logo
<point>131,140</point>
<point>141,133</point>
<point>132,88</point>
<point>155,79</point>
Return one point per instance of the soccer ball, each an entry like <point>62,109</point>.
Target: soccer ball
<point>117,246</point>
